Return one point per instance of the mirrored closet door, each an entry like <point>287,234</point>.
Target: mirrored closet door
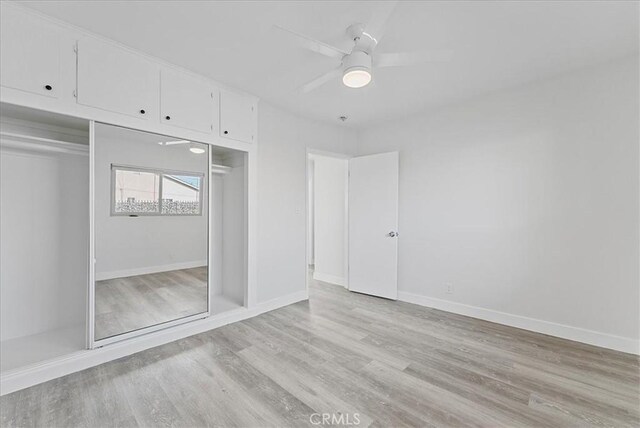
<point>151,230</point>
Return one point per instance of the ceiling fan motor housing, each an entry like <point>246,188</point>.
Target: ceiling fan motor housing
<point>357,60</point>
<point>363,41</point>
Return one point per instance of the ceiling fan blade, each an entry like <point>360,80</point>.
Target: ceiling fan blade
<point>402,59</point>
<point>321,80</point>
<point>172,143</point>
<point>378,23</point>
<point>315,45</point>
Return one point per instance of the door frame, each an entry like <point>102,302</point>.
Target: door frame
<point>311,151</point>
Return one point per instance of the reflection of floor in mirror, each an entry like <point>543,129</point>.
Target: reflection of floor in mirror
<point>126,304</point>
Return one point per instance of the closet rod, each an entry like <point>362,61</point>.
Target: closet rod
<point>29,142</point>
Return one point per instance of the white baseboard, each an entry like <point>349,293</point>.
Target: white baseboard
<point>280,302</point>
<point>331,279</point>
<point>102,276</point>
<point>34,374</point>
<point>604,340</point>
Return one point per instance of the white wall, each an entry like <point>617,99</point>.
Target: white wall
<point>134,245</point>
<point>330,216</point>
<point>283,141</point>
<point>44,224</point>
<point>526,201</point>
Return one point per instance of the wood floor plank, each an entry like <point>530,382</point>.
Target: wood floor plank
<point>300,381</point>
<point>131,303</point>
<point>391,363</point>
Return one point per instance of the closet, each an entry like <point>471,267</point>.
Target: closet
<point>44,224</point>
<point>228,230</point>
<point>110,233</point>
<point>87,258</point>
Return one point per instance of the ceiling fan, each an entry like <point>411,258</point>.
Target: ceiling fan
<point>196,148</point>
<point>356,66</point>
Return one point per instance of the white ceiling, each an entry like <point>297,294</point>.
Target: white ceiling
<point>496,44</point>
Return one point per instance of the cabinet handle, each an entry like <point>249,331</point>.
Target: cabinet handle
<point>142,111</point>
<point>168,117</point>
<point>48,87</point>
<point>226,132</point>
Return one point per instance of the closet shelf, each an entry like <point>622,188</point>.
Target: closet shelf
<point>29,142</point>
<point>41,347</point>
<point>220,169</point>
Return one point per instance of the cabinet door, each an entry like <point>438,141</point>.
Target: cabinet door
<point>237,116</point>
<point>29,54</point>
<point>117,80</point>
<point>187,102</point>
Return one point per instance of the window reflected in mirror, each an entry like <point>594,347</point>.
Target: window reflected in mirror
<point>145,191</point>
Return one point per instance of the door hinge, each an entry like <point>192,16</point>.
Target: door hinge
<point>75,94</point>
<point>75,48</point>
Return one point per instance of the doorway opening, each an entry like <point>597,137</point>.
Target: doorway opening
<point>327,218</point>
<point>352,222</point>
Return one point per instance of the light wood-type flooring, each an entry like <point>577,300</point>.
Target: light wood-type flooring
<point>355,358</point>
<point>131,303</point>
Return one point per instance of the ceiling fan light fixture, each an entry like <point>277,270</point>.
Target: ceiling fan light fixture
<point>357,70</point>
<point>356,78</point>
<point>194,148</point>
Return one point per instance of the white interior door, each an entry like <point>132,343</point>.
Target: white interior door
<point>373,225</point>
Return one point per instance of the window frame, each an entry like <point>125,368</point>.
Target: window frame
<point>161,173</point>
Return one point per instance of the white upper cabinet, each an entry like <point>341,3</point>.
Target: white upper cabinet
<point>29,54</point>
<point>238,116</point>
<point>114,79</point>
<point>188,102</point>
<point>108,82</point>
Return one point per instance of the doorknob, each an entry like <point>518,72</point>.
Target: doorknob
<point>392,234</point>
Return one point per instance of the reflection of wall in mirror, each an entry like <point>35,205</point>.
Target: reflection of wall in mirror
<point>128,246</point>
